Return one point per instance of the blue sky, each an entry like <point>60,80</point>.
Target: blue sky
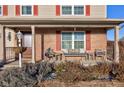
<point>115,12</point>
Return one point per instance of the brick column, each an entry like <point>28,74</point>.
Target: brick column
<point>116,46</point>
<point>33,44</point>
<point>2,44</point>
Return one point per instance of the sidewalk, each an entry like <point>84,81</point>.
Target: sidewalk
<point>15,63</point>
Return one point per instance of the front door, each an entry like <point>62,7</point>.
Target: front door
<point>27,42</point>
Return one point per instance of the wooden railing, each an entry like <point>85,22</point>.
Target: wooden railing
<point>10,54</point>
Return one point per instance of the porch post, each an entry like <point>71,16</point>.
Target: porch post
<point>33,43</point>
<point>2,44</point>
<point>116,46</point>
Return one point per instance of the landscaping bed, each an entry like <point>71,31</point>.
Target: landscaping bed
<point>75,75</point>
<point>93,83</point>
<point>62,74</point>
<point>27,76</point>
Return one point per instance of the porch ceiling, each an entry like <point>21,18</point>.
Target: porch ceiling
<point>60,22</point>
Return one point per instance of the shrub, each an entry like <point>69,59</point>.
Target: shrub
<point>120,71</point>
<point>71,72</point>
<point>27,76</point>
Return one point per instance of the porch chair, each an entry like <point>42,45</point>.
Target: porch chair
<point>100,53</point>
<point>84,55</point>
<point>49,54</point>
<point>90,55</point>
<point>58,54</point>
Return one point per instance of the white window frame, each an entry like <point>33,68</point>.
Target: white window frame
<point>27,14</point>
<point>73,38</point>
<point>79,14</point>
<point>66,14</point>
<point>1,10</point>
<point>72,14</point>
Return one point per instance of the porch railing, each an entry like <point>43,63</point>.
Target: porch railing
<point>10,54</point>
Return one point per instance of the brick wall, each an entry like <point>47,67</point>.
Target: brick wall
<point>98,40</point>
<point>38,42</point>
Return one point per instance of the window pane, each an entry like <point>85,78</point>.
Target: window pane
<point>78,10</point>
<point>66,36</point>
<point>0,10</point>
<point>27,40</point>
<point>66,44</point>
<point>9,36</point>
<point>67,10</point>
<point>79,36</point>
<point>78,44</point>
<point>78,40</point>
<point>27,10</point>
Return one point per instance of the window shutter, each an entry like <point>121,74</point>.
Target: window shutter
<point>87,10</point>
<point>35,10</point>
<point>58,40</point>
<point>5,10</point>
<point>88,40</point>
<point>57,10</point>
<point>17,10</point>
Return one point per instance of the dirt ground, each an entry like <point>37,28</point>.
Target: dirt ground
<point>94,83</point>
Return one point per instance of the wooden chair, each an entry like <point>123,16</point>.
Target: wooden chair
<point>58,54</point>
<point>84,55</point>
<point>52,54</point>
<point>49,54</point>
<point>100,53</point>
<point>90,55</point>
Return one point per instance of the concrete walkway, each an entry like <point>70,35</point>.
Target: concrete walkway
<point>13,64</point>
<point>84,63</point>
<point>10,65</point>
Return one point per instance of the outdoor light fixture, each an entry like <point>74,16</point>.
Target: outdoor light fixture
<point>19,37</point>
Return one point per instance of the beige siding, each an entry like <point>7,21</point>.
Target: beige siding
<point>98,11</point>
<point>1,42</point>
<point>13,34</point>
<point>49,11</point>
<point>46,11</point>
<point>11,10</point>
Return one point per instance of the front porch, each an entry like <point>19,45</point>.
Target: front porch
<point>44,35</point>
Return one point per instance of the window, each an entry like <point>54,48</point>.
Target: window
<point>9,36</point>
<point>27,40</point>
<point>78,40</point>
<point>66,40</point>
<point>73,40</point>
<point>0,10</point>
<point>78,10</point>
<point>66,10</point>
<point>27,10</point>
<point>72,10</point>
